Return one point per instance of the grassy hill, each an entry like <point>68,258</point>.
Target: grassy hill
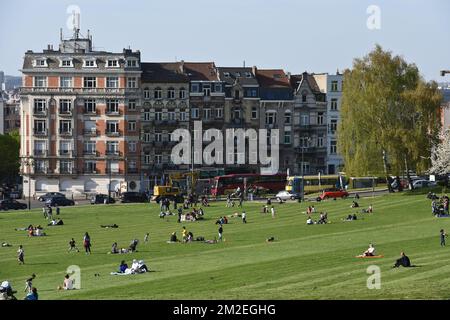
<point>305,262</point>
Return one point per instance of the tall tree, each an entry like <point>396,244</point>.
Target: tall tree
<point>9,159</point>
<point>389,116</point>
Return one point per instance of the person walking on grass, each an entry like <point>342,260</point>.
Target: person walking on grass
<point>443,235</point>
<point>272,210</point>
<point>146,237</point>
<point>87,243</point>
<point>244,217</point>
<point>21,255</point>
<point>220,232</point>
<point>29,283</point>
<point>72,246</point>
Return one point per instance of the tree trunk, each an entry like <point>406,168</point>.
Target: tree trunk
<point>388,179</point>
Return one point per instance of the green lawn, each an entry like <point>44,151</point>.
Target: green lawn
<point>305,262</point>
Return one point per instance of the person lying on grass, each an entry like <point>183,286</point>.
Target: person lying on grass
<point>403,261</point>
<point>109,226</point>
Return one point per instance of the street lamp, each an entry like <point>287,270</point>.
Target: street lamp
<point>303,168</point>
<point>28,163</point>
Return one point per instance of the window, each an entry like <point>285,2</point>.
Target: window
<point>113,63</point>
<point>333,125</point>
<point>158,158</point>
<point>147,159</point>
<point>65,166</point>
<point>248,74</point>
<point>304,120</point>
<point>112,82</point>
<point>237,114</point>
<point>92,63</point>
<point>304,97</point>
<point>158,115</point>
<point>40,62</point>
<point>304,142</point>
<point>226,74</point>
<point>158,137</point>
<point>287,117</point>
<point>195,87</point>
<point>112,147</point>
<point>147,137</point>
<point>132,105</point>
<point>89,106</point>
<point>90,82</point>
<point>219,113</point>
<point>183,115</point>
<point>158,93</point>
<point>320,118</point>
<point>287,137</point>
<point>66,63</point>
<point>132,82</point>
<point>271,117</point>
<point>89,147</point>
<point>90,167</point>
<point>132,146</point>
<point>206,114</point>
<point>65,82</point>
<point>131,125</point>
<point>320,141</point>
<point>254,113</point>
<point>218,87</point>
<point>40,166</point>
<point>65,106</point>
<point>112,127</point>
<point>333,147</point>
<point>132,63</point>
<point>171,93</point>
<point>65,126</point>
<point>114,166</point>
<point>112,106</point>
<point>182,93</point>
<point>132,166</point>
<point>39,147</point>
<point>334,86</point>
<point>147,115</point>
<point>40,81</point>
<point>64,147</point>
<point>206,90</point>
<point>146,93</point>
<point>194,113</point>
<point>40,106</point>
<point>171,115</point>
<point>333,105</point>
<point>40,126</point>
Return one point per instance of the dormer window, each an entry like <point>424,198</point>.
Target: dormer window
<point>248,74</point>
<point>132,63</point>
<point>226,74</point>
<point>113,63</point>
<point>91,63</point>
<point>66,63</point>
<point>40,62</point>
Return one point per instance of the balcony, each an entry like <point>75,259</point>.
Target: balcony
<point>65,112</point>
<point>113,133</point>
<point>41,170</point>
<point>113,112</point>
<point>92,153</point>
<point>40,112</point>
<point>67,153</point>
<point>65,132</point>
<point>67,171</point>
<point>40,132</point>
<point>91,111</point>
<point>91,132</point>
<point>91,171</point>
<point>40,153</point>
<point>113,171</point>
<point>113,152</point>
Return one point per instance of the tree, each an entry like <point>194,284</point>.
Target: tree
<point>440,159</point>
<point>389,116</point>
<point>9,159</point>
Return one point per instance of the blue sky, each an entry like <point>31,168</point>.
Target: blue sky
<point>316,36</point>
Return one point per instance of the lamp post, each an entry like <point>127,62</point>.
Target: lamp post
<point>303,169</point>
<point>109,175</point>
<point>28,163</point>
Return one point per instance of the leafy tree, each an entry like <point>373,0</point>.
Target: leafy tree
<point>389,116</point>
<point>9,157</point>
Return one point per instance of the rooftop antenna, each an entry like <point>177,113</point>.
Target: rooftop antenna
<point>61,34</point>
<point>76,24</point>
<point>244,63</point>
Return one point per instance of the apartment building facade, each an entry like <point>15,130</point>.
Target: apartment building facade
<point>331,85</point>
<point>80,117</point>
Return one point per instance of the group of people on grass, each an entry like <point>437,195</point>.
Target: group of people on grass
<point>137,266</point>
<point>439,206</point>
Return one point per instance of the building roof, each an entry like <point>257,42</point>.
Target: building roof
<point>160,72</point>
<point>296,79</point>
<point>274,78</point>
<point>243,75</point>
<point>200,71</point>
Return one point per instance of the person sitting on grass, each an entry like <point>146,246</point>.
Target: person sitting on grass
<point>173,237</point>
<point>370,252</point>
<point>114,249</point>
<point>32,295</point>
<point>123,266</point>
<point>270,239</point>
<point>309,221</point>
<point>403,261</point>
<point>133,245</point>
<point>67,284</point>
<point>354,205</point>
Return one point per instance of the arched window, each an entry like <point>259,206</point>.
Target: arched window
<point>146,93</point>
<point>171,93</point>
<point>182,94</point>
<point>158,93</point>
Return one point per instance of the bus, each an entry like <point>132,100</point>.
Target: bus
<point>314,183</point>
<point>267,183</point>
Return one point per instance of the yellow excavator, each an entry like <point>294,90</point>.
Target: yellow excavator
<point>177,186</point>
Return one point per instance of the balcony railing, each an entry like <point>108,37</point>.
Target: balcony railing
<point>113,152</point>
<point>90,153</point>
<point>64,132</point>
<point>40,113</point>
<point>79,90</point>
<point>67,171</point>
<point>65,112</point>
<point>113,112</point>
<point>113,133</point>
<point>40,153</point>
<point>90,111</point>
<point>90,171</point>
<point>40,132</point>
<point>91,132</point>
<point>65,153</point>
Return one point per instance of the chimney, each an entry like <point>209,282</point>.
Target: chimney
<point>182,66</point>
<point>288,75</point>
<point>254,70</point>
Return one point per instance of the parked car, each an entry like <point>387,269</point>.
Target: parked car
<point>60,201</point>
<point>48,195</point>
<point>285,195</point>
<point>127,197</point>
<point>100,198</point>
<point>333,193</point>
<point>8,204</point>
<point>423,183</point>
